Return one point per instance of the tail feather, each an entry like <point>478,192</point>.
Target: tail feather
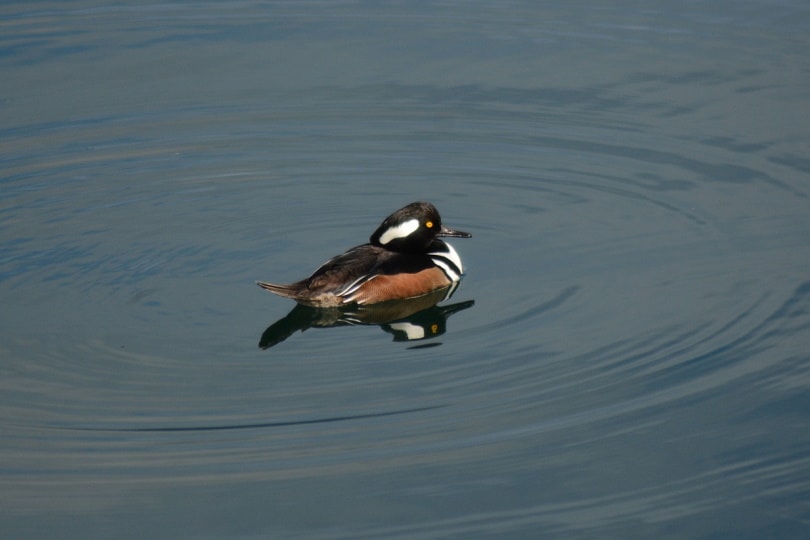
<point>288,291</point>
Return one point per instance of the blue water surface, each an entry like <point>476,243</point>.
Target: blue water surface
<point>627,355</point>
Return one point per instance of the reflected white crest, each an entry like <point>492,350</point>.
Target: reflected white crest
<point>413,331</point>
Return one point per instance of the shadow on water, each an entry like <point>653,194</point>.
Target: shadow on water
<point>414,319</point>
<point>260,425</point>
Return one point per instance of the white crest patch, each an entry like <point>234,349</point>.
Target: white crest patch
<point>403,230</point>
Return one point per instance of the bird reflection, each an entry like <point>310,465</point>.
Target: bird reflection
<point>407,320</point>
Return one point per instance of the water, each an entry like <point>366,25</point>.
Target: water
<point>630,358</point>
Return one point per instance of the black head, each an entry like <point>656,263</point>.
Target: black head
<point>412,228</point>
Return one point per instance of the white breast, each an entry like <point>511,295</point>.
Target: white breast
<point>449,262</point>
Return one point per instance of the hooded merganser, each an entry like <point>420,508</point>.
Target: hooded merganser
<point>403,259</point>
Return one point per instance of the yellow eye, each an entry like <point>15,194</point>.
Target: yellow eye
<point>429,224</point>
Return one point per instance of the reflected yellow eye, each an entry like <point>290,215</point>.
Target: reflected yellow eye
<point>429,224</point>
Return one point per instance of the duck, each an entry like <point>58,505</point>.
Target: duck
<point>404,258</point>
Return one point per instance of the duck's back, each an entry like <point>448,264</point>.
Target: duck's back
<point>341,271</point>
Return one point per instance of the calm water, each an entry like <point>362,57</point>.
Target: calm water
<point>628,355</point>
